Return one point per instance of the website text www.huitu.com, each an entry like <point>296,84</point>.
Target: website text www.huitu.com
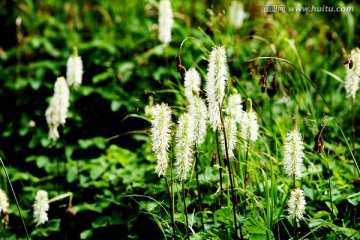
<point>270,8</point>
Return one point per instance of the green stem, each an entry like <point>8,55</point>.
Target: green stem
<point>185,209</point>
<point>199,191</point>
<point>353,132</point>
<point>231,179</point>
<point>171,207</point>
<point>220,167</point>
<point>16,201</point>
<point>245,173</point>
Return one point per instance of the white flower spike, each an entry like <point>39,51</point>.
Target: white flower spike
<point>165,21</point>
<point>249,124</point>
<point>74,70</point>
<point>56,113</point>
<point>216,81</point>
<point>184,142</point>
<point>297,204</point>
<point>293,152</point>
<point>41,207</point>
<point>160,136</point>
<point>352,78</point>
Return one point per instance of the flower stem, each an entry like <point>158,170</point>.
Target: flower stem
<point>245,173</point>
<point>220,167</point>
<point>231,179</point>
<point>17,204</point>
<point>199,191</point>
<point>171,207</point>
<point>185,209</point>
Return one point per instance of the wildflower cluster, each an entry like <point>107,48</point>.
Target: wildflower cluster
<point>41,207</point>
<point>293,161</point>
<point>56,113</point>
<point>352,78</point>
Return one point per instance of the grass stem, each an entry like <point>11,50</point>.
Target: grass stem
<point>16,201</point>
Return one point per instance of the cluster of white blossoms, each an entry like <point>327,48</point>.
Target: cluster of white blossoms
<point>41,206</point>
<point>237,13</point>
<point>192,125</point>
<point>56,113</point>
<point>74,70</point>
<point>4,205</point>
<point>183,148</point>
<point>165,21</point>
<point>215,87</point>
<point>297,204</point>
<point>160,136</point>
<point>249,125</point>
<point>352,78</point>
<point>293,163</point>
<point>3,202</point>
<point>293,153</point>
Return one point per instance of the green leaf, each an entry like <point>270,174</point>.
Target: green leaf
<point>42,161</point>
<point>224,215</point>
<point>71,174</point>
<point>102,221</point>
<point>103,76</point>
<point>86,234</point>
<point>95,172</point>
<point>333,207</point>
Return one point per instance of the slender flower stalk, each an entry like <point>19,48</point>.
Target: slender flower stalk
<point>160,136</point>
<point>293,152</point>
<point>56,113</point>
<point>297,204</point>
<point>215,87</point>
<point>185,140</point>
<point>165,21</point>
<point>74,70</point>
<point>41,207</point>
<point>249,132</point>
<point>249,125</point>
<point>352,78</point>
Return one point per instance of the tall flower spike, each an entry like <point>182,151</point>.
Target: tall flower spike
<point>74,70</point>
<point>192,84</point>
<point>215,87</point>
<point>160,136</point>
<point>237,13</point>
<point>235,107</point>
<point>230,130</point>
<point>352,78</point>
<point>297,204</point>
<point>184,143</point>
<point>165,21</point>
<point>56,113</point>
<point>4,204</point>
<point>249,124</point>
<point>199,114</point>
<point>41,207</point>
<point>293,152</point>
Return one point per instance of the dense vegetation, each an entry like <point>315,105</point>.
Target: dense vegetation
<point>100,175</point>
